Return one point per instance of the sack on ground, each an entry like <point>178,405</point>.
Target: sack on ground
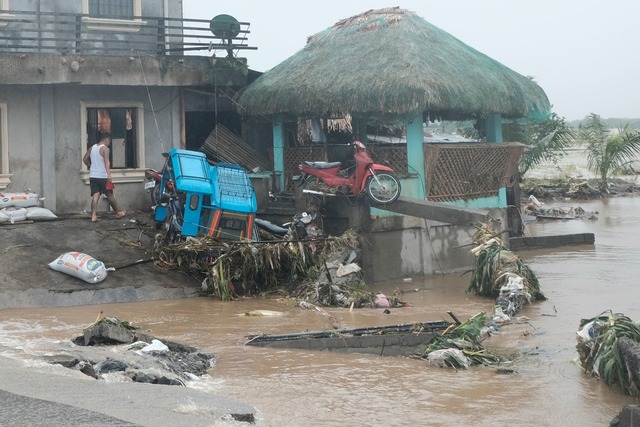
<point>40,214</point>
<point>80,265</point>
<point>22,199</point>
<point>13,215</point>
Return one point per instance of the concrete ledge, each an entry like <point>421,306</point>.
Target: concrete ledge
<point>38,297</point>
<point>543,242</point>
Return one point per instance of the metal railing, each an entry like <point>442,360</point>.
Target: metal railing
<point>26,31</point>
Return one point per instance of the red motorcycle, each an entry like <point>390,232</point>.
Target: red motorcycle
<point>153,182</point>
<point>327,178</point>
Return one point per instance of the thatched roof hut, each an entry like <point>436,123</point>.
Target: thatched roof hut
<point>391,63</point>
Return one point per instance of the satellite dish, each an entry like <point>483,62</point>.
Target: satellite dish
<point>225,26</point>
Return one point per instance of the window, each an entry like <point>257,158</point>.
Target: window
<point>112,15</point>
<point>124,123</point>
<point>115,9</point>
<point>4,147</point>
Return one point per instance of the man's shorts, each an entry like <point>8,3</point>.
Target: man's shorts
<point>99,185</point>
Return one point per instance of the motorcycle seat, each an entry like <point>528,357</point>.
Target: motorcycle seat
<point>323,165</point>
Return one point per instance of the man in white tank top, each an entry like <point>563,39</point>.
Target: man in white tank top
<point>97,160</point>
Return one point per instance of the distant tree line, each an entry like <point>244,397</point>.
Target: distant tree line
<point>611,123</point>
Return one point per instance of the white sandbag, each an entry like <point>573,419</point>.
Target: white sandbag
<point>82,266</point>
<point>4,217</point>
<point>22,199</point>
<point>14,215</point>
<point>40,214</point>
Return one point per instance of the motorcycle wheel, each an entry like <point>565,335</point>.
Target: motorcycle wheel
<point>155,194</point>
<point>173,233</point>
<point>383,190</point>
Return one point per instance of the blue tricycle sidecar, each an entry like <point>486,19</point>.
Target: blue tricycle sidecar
<point>215,200</point>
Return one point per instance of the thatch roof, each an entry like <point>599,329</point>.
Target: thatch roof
<point>391,63</point>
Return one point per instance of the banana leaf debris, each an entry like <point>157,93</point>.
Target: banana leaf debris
<point>319,270</point>
<point>460,347</point>
<point>499,273</point>
<point>609,349</point>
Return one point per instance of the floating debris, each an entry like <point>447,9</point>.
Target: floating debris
<point>459,346</point>
<point>535,208</point>
<point>499,273</point>
<point>267,313</point>
<point>603,342</point>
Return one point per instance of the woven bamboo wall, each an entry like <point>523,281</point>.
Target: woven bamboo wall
<point>469,171</point>
<point>393,155</point>
<point>293,156</point>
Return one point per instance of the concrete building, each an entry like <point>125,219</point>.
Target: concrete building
<point>71,69</point>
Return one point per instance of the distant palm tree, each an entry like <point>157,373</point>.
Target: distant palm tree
<point>607,153</point>
<point>545,140</point>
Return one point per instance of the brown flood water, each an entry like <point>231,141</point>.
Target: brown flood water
<point>294,387</point>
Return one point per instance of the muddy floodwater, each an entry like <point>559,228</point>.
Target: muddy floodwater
<point>300,388</point>
<point>296,388</point>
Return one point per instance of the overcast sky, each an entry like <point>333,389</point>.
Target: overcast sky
<point>583,53</point>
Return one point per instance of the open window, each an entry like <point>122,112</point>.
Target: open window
<point>124,123</point>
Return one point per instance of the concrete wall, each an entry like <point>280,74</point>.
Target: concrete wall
<point>45,147</point>
<point>400,246</point>
<point>404,246</point>
<point>116,70</point>
<point>542,242</point>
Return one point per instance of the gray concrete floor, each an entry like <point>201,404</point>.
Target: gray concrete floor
<point>26,249</point>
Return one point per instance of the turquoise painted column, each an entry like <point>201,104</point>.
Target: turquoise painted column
<point>493,123</point>
<point>278,152</point>
<point>494,134</point>
<point>415,154</point>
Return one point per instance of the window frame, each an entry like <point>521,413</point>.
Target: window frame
<point>5,176</point>
<point>120,175</point>
<point>111,24</point>
<point>5,17</point>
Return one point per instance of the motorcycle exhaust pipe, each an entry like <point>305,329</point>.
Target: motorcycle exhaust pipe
<point>317,193</point>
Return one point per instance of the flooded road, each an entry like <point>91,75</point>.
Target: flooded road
<point>294,387</point>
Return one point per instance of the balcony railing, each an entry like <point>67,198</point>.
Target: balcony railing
<point>24,31</point>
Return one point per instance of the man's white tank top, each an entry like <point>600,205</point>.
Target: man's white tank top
<point>98,168</point>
